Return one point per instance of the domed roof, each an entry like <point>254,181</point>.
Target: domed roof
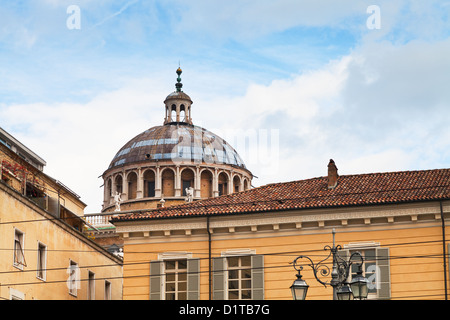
<point>178,95</point>
<point>177,142</point>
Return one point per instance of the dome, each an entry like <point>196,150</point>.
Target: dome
<point>180,143</point>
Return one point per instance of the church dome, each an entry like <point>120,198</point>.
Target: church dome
<point>181,143</point>
<point>173,163</point>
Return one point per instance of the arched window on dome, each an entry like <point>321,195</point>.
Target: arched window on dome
<point>132,185</point>
<point>118,182</point>
<point>183,113</point>
<point>187,180</point>
<point>236,184</point>
<point>246,184</point>
<point>149,183</point>
<point>223,184</point>
<point>173,113</point>
<point>168,183</point>
<point>206,184</point>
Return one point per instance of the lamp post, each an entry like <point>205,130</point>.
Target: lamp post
<point>342,290</point>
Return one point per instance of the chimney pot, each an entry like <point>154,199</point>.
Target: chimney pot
<point>332,174</point>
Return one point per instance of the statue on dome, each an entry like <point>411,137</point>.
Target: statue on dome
<point>189,194</point>
<point>117,201</point>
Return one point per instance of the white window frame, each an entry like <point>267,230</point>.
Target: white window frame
<point>16,294</point>
<point>237,253</point>
<point>74,272</point>
<point>108,290</point>
<point>19,239</point>
<point>41,266</point>
<point>91,285</point>
<point>171,256</point>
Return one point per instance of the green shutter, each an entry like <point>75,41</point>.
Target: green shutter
<point>155,280</point>
<point>258,277</point>
<point>193,279</point>
<point>384,278</point>
<point>218,283</point>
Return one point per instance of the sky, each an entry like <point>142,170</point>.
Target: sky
<point>289,83</point>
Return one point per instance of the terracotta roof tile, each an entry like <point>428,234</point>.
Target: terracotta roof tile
<point>351,190</point>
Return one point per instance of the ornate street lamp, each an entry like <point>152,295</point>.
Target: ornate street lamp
<point>339,274</point>
<point>359,285</point>
<point>299,288</point>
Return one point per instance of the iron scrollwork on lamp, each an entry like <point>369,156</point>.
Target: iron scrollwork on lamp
<point>339,273</point>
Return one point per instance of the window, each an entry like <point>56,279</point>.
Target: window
<point>41,261</point>
<point>176,275</point>
<point>151,188</point>
<point>107,290</point>
<point>239,278</point>
<point>238,274</point>
<point>376,267</point>
<point>223,188</point>
<point>369,268</point>
<point>186,185</point>
<point>73,281</point>
<point>91,286</point>
<point>176,279</point>
<point>19,257</point>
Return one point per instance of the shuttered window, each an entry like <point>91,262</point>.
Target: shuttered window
<point>238,277</point>
<point>375,269</point>
<point>175,279</point>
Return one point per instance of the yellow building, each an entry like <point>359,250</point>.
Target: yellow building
<point>44,254</point>
<point>242,245</point>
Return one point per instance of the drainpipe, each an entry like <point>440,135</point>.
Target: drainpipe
<point>209,258</point>
<point>444,249</point>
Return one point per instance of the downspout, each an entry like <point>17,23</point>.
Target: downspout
<point>444,249</point>
<point>209,258</point>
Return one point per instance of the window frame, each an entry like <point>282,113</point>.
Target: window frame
<point>239,271</point>
<point>73,290</point>
<point>91,285</point>
<point>177,272</point>
<point>363,247</point>
<point>108,290</point>
<point>19,240</point>
<point>41,267</point>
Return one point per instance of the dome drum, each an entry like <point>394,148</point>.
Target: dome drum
<point>165,180</point>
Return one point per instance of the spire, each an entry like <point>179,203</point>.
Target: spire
<point>179,85</point>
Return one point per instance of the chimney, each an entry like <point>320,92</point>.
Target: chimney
<point>332,175</point>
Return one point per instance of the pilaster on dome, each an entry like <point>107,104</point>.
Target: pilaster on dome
<point>178,104</point>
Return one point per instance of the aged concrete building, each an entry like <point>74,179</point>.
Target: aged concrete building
<point>173,163</point>
<point>45,254</point>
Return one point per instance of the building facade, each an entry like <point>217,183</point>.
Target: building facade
<point>45,253</point>
<point>242,245</point>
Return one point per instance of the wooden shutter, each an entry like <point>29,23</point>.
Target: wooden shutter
<point>257,277</point>
<point>384,292</point>
<point>155,280</point>
<point>218,281</point>
<point>193,279</point>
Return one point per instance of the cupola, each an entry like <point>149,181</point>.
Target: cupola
<point>178,105</point>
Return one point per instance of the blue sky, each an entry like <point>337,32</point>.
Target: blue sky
<point>301,81</point>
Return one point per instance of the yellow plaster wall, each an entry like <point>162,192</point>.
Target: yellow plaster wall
<point>416,263</point>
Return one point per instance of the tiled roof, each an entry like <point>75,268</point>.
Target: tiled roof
<point>351,190</point>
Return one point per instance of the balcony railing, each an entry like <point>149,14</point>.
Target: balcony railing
<point>99,220</point>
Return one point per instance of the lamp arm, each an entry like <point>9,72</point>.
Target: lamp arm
<point>319,269</point>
